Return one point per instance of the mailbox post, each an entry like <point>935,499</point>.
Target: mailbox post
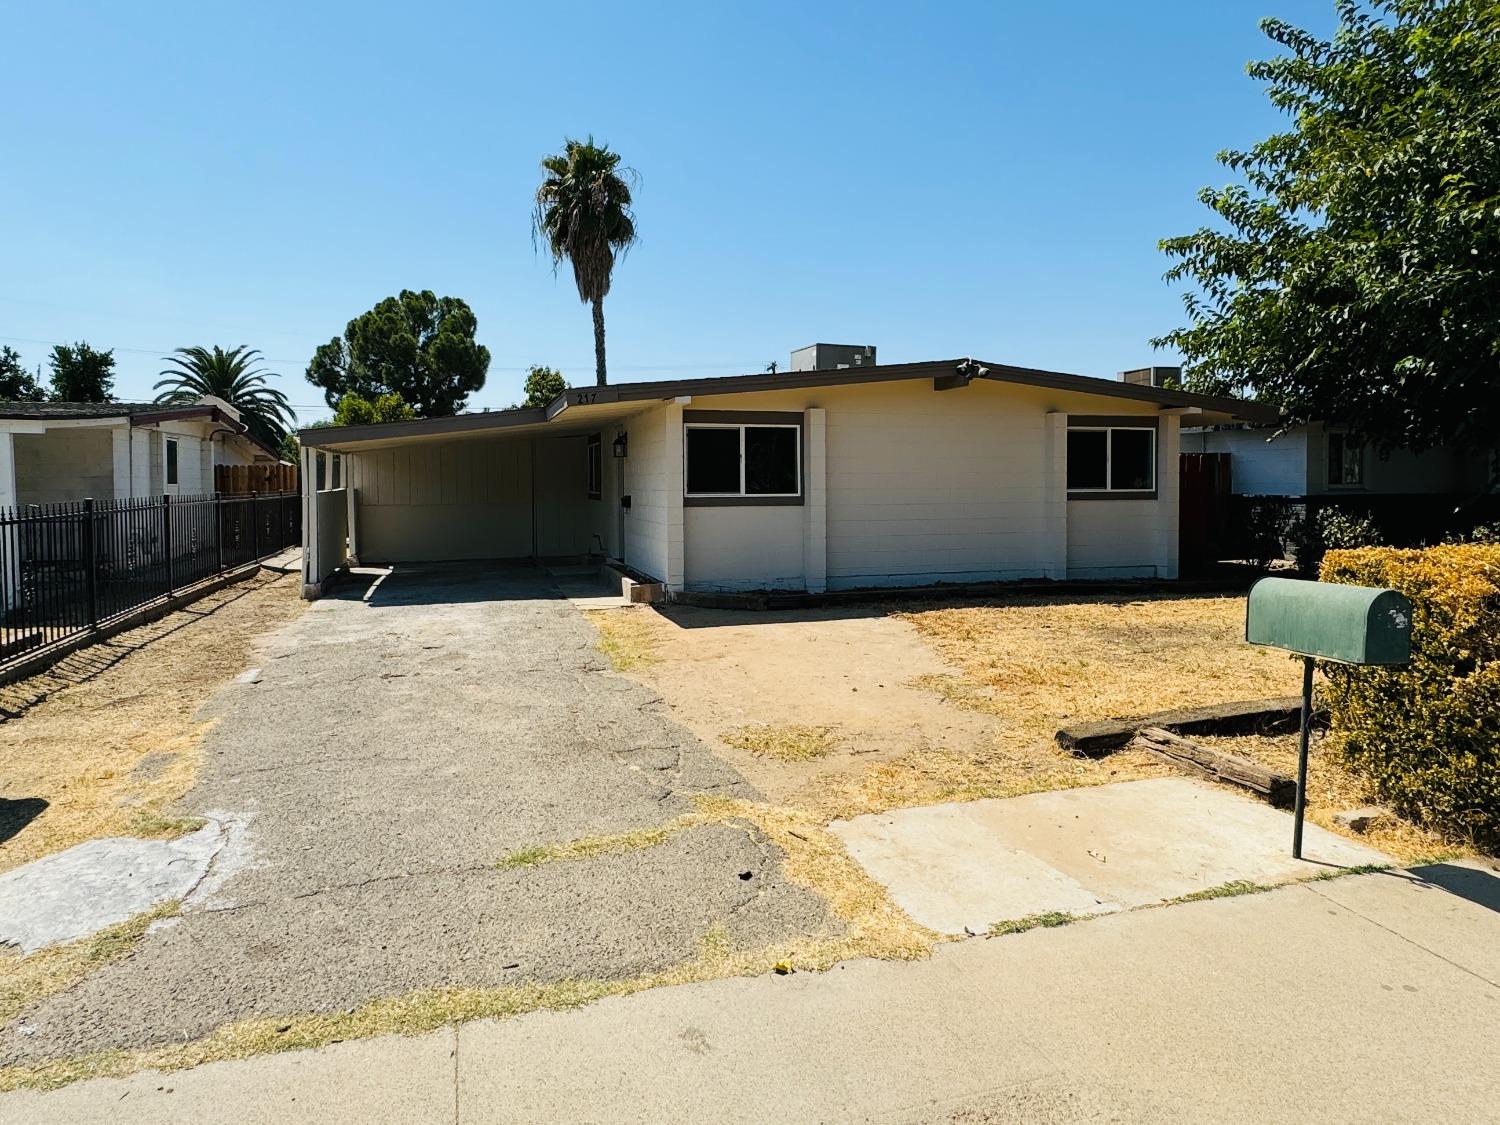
<point>1326,621</point>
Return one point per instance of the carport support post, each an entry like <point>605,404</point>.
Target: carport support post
<point>1301,803</point>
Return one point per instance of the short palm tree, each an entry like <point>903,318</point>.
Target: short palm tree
<point>583,212</point>
<point>234,377</point>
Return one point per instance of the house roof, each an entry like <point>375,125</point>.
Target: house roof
<point>945,374</point>
<point>139,413</point>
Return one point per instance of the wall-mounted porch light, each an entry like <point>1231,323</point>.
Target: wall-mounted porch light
<point>619,445</point>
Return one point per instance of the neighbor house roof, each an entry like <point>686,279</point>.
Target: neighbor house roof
<point>945,374</point>
<point>140,413</point>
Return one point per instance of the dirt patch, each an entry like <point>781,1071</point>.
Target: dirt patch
<point>1332,789</point>
<point>947,701</point>
<point>108,737</point>
<point>848,671</point>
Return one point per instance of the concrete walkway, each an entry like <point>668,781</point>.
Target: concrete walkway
<point>1370,998</point>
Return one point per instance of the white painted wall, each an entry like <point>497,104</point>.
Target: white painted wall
<point>649,486</point>
<point>464,499</point>
<point>64,464</point>
<point>925,486</point>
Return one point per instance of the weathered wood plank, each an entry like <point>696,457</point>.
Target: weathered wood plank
<point>1225,767</point>
<point>1092,740</point>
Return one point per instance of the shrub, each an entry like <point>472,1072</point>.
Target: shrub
<point>1427,736</point>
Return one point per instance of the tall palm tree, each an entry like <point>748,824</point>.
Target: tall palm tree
<point>583,212</point>
<point>234,377</point>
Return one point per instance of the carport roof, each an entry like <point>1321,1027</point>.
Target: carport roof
<point>624,398</point>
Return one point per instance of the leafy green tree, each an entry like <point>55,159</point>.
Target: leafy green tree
<point>82,374</point>
<point>583,214</point>
<point>542,385</point>
<point>1353,274</point>
<point>356,410</point>
<point>415,345</point>
<point>16,383</point>
<point>234,377</point>
<point>291,448</point>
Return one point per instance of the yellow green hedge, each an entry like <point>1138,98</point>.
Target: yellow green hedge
<point>1428,735</point>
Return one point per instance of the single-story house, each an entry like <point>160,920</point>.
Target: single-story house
<point>58,451</point>
<point>885,475</point>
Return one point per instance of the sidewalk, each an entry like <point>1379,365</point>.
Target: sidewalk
<point>1368,998</point>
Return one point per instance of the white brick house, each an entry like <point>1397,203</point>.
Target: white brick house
<point>904,474</point>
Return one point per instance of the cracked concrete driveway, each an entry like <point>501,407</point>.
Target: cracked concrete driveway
<point>400,740</point>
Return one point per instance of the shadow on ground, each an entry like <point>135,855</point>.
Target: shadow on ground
<point>1479,887</point>
<point>17,813</point>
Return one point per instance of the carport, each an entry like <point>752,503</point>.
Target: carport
<point>515,484</point>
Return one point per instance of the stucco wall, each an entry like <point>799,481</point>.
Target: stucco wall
<point>64,464</point>
<point>468,499</point>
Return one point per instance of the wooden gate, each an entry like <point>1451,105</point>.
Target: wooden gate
<point>1203,528</point>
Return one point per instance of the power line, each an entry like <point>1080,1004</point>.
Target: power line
<point>165,353</point>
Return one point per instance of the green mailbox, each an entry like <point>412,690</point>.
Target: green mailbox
<point>1327,621</point>
<point>1350,624</point>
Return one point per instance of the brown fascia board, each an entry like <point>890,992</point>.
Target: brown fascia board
<point>212,413</point>
<point>784,380</point>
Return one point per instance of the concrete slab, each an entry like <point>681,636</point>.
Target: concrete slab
<point>394,1079</point>
<point>947,870</point>
<point>287,562</point>
<point>99,884</point>
<point>964,866</point>
<point>1441,905</point>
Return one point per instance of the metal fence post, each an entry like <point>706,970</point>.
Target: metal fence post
<point>90,562</point>
<point>218,534</point>
<point>254,526</point>
<point>166,538</point>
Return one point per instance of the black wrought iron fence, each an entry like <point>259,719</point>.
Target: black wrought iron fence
<point>68,568</point>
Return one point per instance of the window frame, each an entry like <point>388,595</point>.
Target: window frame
<point>172,462</point>
<point>742,421</point>
<point>594,467</point>
<point>1344,447</point>
<point>1108,426</point>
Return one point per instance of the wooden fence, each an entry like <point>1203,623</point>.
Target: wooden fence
<point>242,480</point>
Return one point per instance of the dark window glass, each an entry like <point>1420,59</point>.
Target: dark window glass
<point>1346,460</point>
<point>595,467</point>
<point>771,460</point>
<point>1131,459</point>
<point>171,461</point>
<point>713,460</point>
<point>1088,454</point>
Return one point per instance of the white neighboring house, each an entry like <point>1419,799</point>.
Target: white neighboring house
<point>823,479</point>
<point>59,451</point>
<point>1318,459</point>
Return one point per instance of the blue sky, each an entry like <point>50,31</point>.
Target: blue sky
<point>937,180</point>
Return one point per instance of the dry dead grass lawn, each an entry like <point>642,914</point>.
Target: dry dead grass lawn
<point>1038,664</point>
<point>1331,789</point>
<point>791,743</point>
<point>76,735</point>
<point>626,636</point>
